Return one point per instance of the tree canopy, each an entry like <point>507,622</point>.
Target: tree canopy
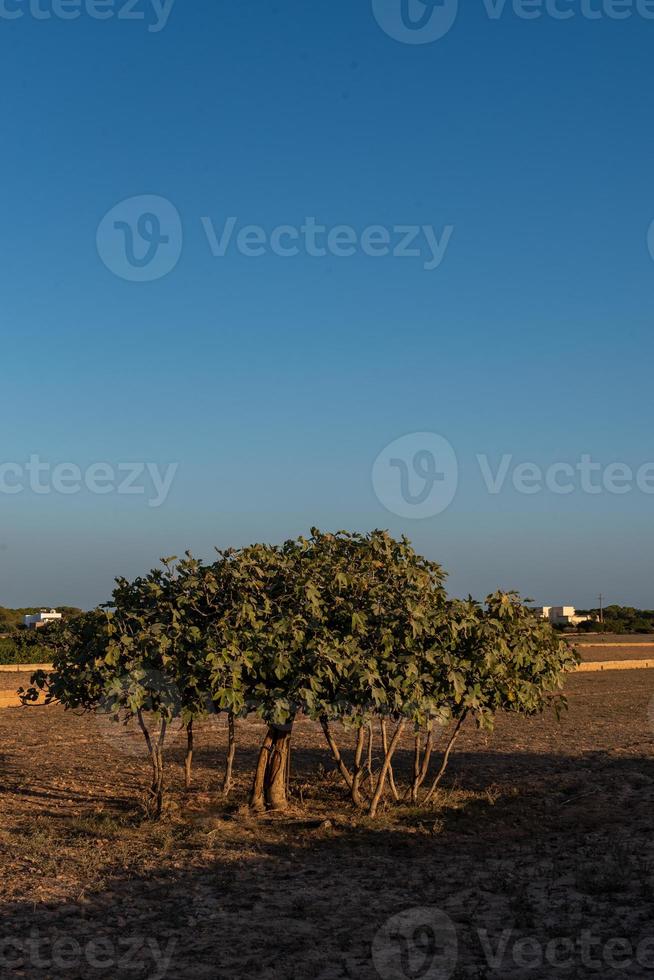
<point>353,631</point>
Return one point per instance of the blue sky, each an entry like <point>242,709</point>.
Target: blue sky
<point>275,382</point>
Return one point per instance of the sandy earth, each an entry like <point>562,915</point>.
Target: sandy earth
<point>597,639</point>
<point>609,646</point>
<point>543,835</point>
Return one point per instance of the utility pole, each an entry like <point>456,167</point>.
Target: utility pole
<point>601,608</point>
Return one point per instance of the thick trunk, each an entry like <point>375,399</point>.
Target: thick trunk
<point>269,789</point>
<point>276,772</point>
<point>257,796</point>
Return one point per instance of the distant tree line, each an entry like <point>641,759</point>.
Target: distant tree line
<point>11,619</point>
<point>619,619</point>
<point>19,645</point>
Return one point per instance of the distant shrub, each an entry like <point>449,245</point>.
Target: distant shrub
<point>12,651</point>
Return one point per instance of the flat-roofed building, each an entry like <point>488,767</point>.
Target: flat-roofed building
<point>36,620</point>
<point>561,615</point>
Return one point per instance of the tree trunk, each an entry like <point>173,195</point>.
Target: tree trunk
<point>275,781</point>
<point>152,792</point>
<point>231,752</point>
<point>257,795</point>
<point>446,759</point>
<point>391,774</point>
<point>371,778</point>
<point>188,760</point>
<point>421,769</point>
<point>270,780</point>
<point>154,803</point>
<point>160,765</point>
<point>417,759</point>
<point>359,770</point>
<point>336,753</point>
<point>388,758</point>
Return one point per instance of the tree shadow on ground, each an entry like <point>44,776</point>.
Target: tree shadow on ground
<point>546,847</point>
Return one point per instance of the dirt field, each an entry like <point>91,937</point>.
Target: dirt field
<point>611,646</point>
<point>625,651</point>
<point>543,835</point>
<point>597,639</point>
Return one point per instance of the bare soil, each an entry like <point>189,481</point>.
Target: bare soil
<point>601,647</point>
<point>599,639</point>
<point>543,833</point>
<point>600,654</point>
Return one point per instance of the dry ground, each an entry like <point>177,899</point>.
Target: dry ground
<point>544,832</point>
<point>597,639</point>
<point>610,646</point>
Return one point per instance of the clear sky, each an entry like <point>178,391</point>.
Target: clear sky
<point>274,382</point>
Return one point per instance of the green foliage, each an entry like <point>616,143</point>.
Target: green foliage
<point>506,659</point>
<point>620,619</point>
<point>76,648</point>
<point>341,627</point>
<point>14,651</point>
<point>22,646</point>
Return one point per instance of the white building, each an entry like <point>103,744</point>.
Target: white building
<point>562,615</point>
<point>41,618</point>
